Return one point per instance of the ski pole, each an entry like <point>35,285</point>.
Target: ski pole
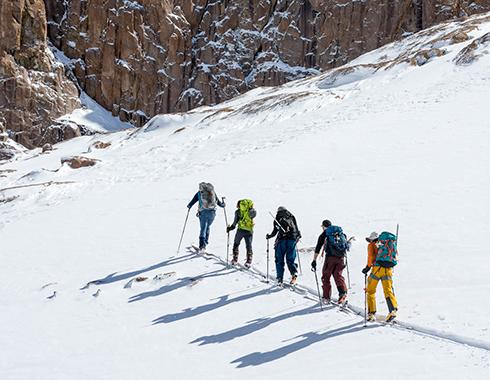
<point>352,238</point>
<point>318,289</point>
<point>393,271</point>
<point>365,299</point>
<point>267,260</point>
<point>227,232</point>
<point>185,223</point>
<point>297,253</point>
<point>347,267</point>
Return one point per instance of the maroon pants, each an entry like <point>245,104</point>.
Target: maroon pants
<point>333,267</point>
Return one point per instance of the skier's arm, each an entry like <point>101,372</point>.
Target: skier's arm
<point>275,229</point>
<point>319,244</point>
<point>194,200</point>
<point>372,253</point>
<point>297,229</point>
<point>220,204</point>
<point>235,221</point>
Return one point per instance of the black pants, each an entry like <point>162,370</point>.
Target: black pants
<point>242,234</point>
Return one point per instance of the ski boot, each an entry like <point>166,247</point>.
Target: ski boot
<point>371,317</point>
<point>391,316</point>
<point>342,299</point>
<point>279,281</point>
<point>234,261</point>
<point>325,300</point>
<point>293,279</point>
<point>248,263</point>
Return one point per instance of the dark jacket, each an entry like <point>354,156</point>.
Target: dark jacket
<point>237,218</point>
<point>320,242</point>
<point>281,228</point>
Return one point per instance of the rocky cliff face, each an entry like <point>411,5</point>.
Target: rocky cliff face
<point>138,58</point>
<point>33,88</point>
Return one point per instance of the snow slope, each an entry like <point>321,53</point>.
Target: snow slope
<point>378,143</point>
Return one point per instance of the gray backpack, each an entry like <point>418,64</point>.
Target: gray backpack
<point>207,196</point>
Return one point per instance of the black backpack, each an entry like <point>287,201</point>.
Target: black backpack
<point>288,228</point>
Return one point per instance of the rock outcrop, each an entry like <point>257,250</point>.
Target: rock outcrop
<point>144,57</point>
<point>33,87</point>
<point>139,58</point>
<point>77,162</point>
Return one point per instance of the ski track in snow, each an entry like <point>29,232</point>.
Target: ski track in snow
<point>359,312</point>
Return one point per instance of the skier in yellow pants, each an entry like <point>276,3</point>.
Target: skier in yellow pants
<point>378,273</point>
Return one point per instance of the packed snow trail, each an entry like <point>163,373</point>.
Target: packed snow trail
<point>357,311</point>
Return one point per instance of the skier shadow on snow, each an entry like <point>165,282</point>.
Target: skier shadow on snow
<point>115,277</point>
<point>180,283</point>
<point>253,326</point>
<point>259,358</point>
<point>222,301</point>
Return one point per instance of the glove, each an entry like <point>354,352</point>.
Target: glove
<point>366,270</point>
<point>267,236</point>
<point>313,265</point>
<point>230,228</point>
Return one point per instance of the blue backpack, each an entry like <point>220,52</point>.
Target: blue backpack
<point>335,241</point>
<point>387,251</point>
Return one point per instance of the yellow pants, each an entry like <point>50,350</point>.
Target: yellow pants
<point>386,277</point>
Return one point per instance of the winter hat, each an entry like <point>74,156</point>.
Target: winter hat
<point>281,208</point>
<point>372,237</point>
<point>326,223</point>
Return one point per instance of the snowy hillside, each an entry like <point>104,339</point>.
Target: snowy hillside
<point>399,136</point>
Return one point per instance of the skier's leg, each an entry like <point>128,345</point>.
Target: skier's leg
<point>280,260</point>
<point>291,256</point>
<point>202,233</point>
<point>238,239</point>
<point>387,282</point>
<point>372,284</point>
<point>210,215</point>
<point>337,276</point>
<point>327,272</point>
<point>248,236</point>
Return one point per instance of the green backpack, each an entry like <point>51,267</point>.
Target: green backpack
<point>387,251</point>
<point>247,215</point>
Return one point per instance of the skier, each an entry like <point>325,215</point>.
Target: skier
<point>206,212</point>
<point>335,252</point>
<point>288,234</point>
<point>244,215</point>
<point>380,270</point>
